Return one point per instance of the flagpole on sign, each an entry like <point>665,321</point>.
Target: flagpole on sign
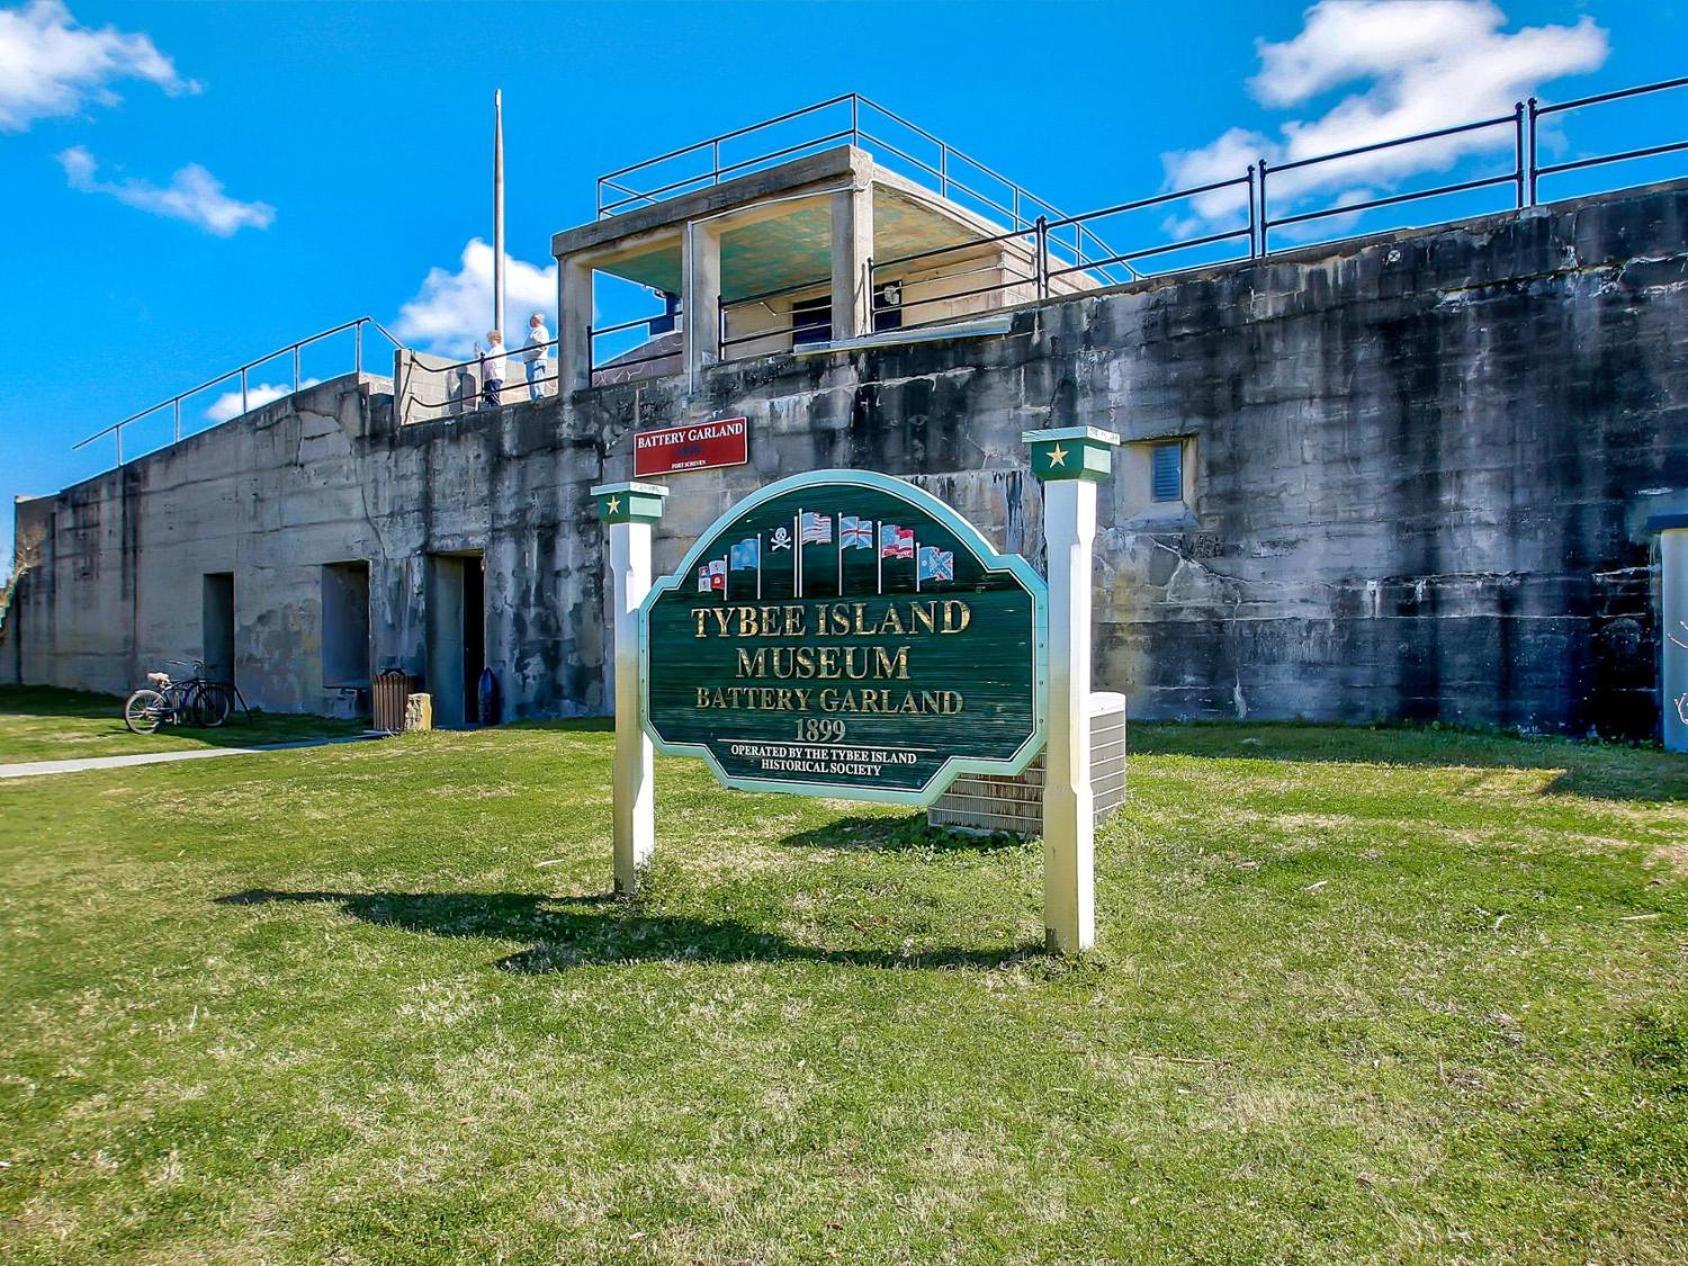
<point>758,567</point>
<point>840,553</point>
<point>878,559</point>
<point>797,562</point>
<point>917,564</point>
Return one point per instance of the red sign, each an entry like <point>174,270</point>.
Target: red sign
<point>703,446</point>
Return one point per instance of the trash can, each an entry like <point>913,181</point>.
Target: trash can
<point>388,698</point>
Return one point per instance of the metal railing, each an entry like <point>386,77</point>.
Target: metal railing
<point>1058,245</point>
<point>1254,220</point>
<point>621,360</point>
<point>957,176</point>
<point>243,372</point>
<point>723,307</point>
<point>472,391</point>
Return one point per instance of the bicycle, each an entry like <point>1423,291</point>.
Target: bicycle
<point>195,701</point>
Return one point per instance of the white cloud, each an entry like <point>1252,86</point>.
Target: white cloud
<point>454,309</point>
<point>1419,65</point>
<point>227,405</point>
<point>193,194</point>
<point>50,66</point>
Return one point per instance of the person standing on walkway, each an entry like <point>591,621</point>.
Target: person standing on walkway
<point>492,371</point>
<point>536,354</point>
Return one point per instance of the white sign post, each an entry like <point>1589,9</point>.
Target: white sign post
<point>1071,461</point>
<point>628,510</point>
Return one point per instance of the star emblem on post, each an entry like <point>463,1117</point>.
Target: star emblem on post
<point>615,504</point>
<point>1057,456</point>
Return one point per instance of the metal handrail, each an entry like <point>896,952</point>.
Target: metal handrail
<point>1599,97</point>
<point>510,353</point>
<point>1012,210</point>
<point>241,371</point>
<point>857,131</point>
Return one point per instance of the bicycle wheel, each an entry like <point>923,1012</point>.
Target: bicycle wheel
<point>213,702</point>
<point>143,711</point>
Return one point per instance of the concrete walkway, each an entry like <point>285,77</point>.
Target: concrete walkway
<point>28,769</point>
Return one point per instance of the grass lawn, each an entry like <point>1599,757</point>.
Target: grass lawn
<point>1361,996</point>
<point>41,723</point>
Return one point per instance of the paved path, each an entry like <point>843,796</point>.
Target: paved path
<point>27,769</point>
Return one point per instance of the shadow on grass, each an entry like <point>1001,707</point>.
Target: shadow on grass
<point>572,932</point>
<point>50,701</point>
<point>100,717</point>
<point>1606,771</point>
<point>901,834</point>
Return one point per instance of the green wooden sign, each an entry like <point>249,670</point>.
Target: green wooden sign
<point>846,634</point>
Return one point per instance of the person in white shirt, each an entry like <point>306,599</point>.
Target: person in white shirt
<point>492,371</point>
<point>536,354</point>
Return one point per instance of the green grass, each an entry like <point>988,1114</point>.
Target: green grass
<point>40,723</point>
<point>1361,996</point>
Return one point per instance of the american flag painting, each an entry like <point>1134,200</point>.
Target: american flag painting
<point>895,542</point>
<point>815,529</point>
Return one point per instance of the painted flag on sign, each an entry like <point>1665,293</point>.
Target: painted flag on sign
<point>815,529</point>
<point>718,574</point>
<point>703,585</point>
<point>747,553</point>
<point>936,564</point>
<point>895,542</point>
<point>854,533</point>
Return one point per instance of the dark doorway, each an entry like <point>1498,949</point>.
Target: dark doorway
<point>217,620</point>
<point>345,626</point>
<point>474,635</point>
<point>456,635</point>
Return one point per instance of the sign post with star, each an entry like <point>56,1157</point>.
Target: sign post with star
<point>628,510</point>
<point>1070,461</point>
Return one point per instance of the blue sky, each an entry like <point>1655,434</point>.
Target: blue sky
<point>191,185</point>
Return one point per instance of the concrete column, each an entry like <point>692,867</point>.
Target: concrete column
<point>628,510</point>
<point>1673,617</point>
<point>1070,461</point>
<point>574,316</point>
<point>701,277</point>
<point>852,249</point>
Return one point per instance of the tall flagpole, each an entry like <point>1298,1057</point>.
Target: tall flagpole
<point>498,210</point>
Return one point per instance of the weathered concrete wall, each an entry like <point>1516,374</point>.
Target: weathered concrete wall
<point>1420,470</point>
<point>322,477</point>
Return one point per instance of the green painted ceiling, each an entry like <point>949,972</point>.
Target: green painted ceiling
<point>797,248</point>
